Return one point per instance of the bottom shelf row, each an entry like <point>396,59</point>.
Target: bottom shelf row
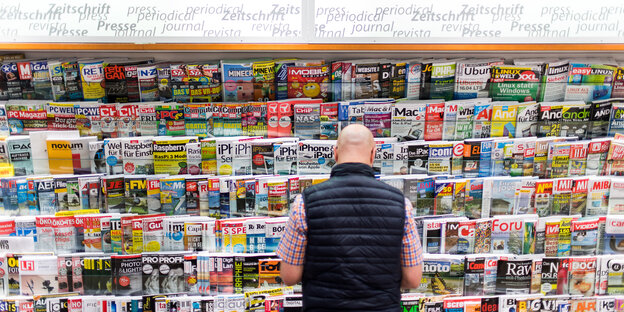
<point>283,300</point>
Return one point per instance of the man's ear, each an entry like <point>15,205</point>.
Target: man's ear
<point>335,153</point>
<point>372,156</point>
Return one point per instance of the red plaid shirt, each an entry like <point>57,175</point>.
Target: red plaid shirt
<point>291,248</point>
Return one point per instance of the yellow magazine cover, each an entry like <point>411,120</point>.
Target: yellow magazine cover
<point>170,154</point>
<point>503,120</point>
<point>60,157</point>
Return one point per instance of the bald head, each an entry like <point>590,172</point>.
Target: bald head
<point>355,144</point>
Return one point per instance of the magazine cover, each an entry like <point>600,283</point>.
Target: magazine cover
<point>69,155</point>
<point>600,116</point>
<point>615,273</point>
<point>589,82</point>
<point>88,119</point>
<point>442,80</point>
<point>127,124</point>
<point>170,154</point>
<point>527,120</point>
<point>472,77</point>
<point>442,276</point>
<point>171,273</point>
<point>408,120</point>
<point>578,201</point>
<point>482,120</point>
<point>507,235</point>
<point>450,118</point>
<point>434,121</point>
<point>109,120</point>
<point>135,194</point>
<point>170,119</point>
<point>582,271</point>
<point>147,124</point>
<point>614,235</point>
<point>113,154</point>
<point>25,116</point>
<point>549,119</point>
<point>127,275</point>
<point>554,81</point>
<point>173,195</point>
<point>73,83</point>
<point>285,155</point>
<point>439,155</point>
<point>443,203</point>
<point>418,158</point>
<point>38,275</point>
<point>137,155</point>
<point>366,80</point>
<point>311,82</point>
<point>575,121</point>
<point>115,85</point>
<point>515,83</point>
<point>513,276</point>
<point>237,81</point>
<point>307,121</point>
<point>148,83</point>
<point>598,196</point>
<point>459,237</point>
<point>558,160</point>
<point>92,76</point>
<point>561,195</point>
<point>412,80</point>
<point>315,157</point>
<point>503,120</point>
<point>597,150</point>
<point>113,191</point>
<point>616,197</point>
<point>578,158</point>
<point>20,155</point>
<point>377,117</point>
<point>463,122</point>
<point>61,116</point>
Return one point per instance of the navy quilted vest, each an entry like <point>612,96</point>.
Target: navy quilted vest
<point>355,234</point>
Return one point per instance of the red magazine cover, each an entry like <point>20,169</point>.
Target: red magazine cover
<point>308,82</point>
<point>434,121</point>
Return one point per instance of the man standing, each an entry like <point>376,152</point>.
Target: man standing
<point>351,240</point>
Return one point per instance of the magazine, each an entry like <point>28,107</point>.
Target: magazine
<point>515,83</point>
<point>472,77</point>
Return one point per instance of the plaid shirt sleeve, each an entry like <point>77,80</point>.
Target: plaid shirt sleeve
<point>412,250</point>
<point>291,248</point>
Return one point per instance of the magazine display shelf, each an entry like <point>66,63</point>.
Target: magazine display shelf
<point>475,274</point>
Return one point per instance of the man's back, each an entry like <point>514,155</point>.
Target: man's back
<point>352,240</point>
<point>355,230</point>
